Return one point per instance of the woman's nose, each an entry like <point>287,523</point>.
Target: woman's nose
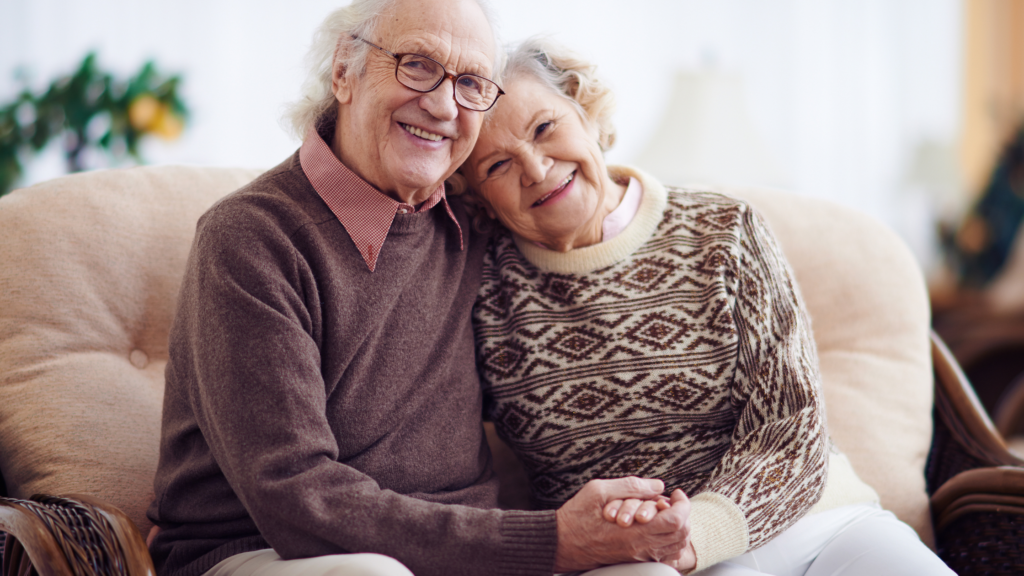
<point>535,168</point>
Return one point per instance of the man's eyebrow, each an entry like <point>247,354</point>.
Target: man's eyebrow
<point>417,46</point>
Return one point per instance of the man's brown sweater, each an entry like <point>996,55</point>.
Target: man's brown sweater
<point>317,408</point>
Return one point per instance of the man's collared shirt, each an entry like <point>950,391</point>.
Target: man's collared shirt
<point>365,212</point>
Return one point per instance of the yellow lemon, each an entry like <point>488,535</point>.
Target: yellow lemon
<point>143,111</point>
<point>167,125</point>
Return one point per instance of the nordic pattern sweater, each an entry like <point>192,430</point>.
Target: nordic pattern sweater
<point>318,408</point>
<point>678,350</point>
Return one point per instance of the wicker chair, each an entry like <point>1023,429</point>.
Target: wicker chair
<point>89,272</point>
<point>976,484</point>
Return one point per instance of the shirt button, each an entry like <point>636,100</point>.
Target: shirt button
<point>403,210</point>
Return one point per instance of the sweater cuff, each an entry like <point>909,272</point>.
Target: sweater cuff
<point>718,529</point>
<point>528,543</point>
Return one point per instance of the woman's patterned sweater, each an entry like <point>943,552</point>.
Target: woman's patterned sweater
<point>678,350</point>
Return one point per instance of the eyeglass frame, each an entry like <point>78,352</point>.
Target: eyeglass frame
<point>445,74</point>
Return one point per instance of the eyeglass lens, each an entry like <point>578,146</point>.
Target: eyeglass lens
<point>423,74</point>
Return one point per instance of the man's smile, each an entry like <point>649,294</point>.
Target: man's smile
<point>420,133</point>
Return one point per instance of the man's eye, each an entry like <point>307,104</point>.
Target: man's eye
<point>494,167</point>
<point>418,69</point>
<point>469,83</point>
<point>543,127</point>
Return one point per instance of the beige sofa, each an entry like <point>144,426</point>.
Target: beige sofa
<point>90,267</point>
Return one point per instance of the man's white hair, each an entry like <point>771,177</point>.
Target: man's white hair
<point>360,18</point>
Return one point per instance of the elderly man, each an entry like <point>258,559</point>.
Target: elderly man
<point>322,411</point>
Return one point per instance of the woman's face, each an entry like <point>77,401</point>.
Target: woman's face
<point>538,168</point>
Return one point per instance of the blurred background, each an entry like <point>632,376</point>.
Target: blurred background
<point>859,102</point>
<point>905,109</point>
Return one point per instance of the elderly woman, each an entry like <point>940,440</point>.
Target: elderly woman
<point>626,328</point>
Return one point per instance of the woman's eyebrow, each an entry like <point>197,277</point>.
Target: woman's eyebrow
<point>524,135</point>
<point>480,166</point>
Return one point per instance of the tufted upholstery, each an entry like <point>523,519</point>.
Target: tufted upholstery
<point>89,276</point>
<point>869,310</point>
<point>89,272</point>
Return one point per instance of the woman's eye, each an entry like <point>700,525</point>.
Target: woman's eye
<point>541,128</point>
<point>494,167</point>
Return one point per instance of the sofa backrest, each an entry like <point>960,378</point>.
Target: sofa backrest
<point>90,267</point>
<point>91,264</point>
<point>869,310</point>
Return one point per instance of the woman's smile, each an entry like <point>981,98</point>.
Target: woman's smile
<point>538,167</point>
<point>565,186</point>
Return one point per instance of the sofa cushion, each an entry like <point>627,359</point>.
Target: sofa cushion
<point>90,267</point>
<point>869,311</point>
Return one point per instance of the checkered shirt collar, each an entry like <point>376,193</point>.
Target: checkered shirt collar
<point>364,211</point>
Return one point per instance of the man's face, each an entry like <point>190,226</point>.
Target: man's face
<point>404,142</point>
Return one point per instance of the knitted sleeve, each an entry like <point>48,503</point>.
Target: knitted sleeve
<point>775,468</point>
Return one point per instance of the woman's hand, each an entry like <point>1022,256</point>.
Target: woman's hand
<point>624,512</point>
<point>684,560</point>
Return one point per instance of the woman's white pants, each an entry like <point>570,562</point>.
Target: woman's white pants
<point>862,539</point>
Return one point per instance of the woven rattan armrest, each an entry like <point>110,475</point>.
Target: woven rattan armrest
<point>965,437</point>
<point>999,489</point>
<point>979,521</point>
<point>1009,414</point>
<point>72,535</point>
<point>977,485</point>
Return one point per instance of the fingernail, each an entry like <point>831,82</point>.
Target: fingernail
<point>625,518</point>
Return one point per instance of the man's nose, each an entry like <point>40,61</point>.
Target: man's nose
<point>440,102</point>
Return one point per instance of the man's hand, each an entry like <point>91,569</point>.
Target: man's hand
<point>586,540</point>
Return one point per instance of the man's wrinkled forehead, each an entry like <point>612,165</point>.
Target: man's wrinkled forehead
<point>456,33</point>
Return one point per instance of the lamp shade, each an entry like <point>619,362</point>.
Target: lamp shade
<point>706,136</point>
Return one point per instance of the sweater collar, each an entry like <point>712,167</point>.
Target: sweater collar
<point>364,212</point>
<point>622,246</point>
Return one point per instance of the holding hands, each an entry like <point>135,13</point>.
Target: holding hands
<point>624,520</point>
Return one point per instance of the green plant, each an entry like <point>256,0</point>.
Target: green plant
<point>89,109</point>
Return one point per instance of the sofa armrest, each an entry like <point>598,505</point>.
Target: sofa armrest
<point>77,534</point>
<point>1009,416</point>
<point>979,521</point>
<point>976,483</point>
<point>964,436</point>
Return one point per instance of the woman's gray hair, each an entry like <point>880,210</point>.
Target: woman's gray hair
<point>569,75</point>
<point>360,18</point>
<point>564,73</point>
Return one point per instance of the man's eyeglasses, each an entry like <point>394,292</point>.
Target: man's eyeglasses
<point>424,74</point>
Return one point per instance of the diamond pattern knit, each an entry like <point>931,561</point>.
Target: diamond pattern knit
<point>690,360</point>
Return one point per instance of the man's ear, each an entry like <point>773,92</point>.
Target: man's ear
<point>341,80</point>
